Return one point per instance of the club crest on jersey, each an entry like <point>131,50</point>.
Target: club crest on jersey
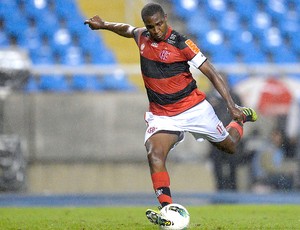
<point>164,55</point>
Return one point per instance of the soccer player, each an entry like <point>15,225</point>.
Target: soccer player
<point>176,105</point>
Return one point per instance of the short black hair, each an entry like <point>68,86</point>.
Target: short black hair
<point>150,9</point>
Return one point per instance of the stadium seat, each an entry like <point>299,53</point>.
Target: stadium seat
<point>229,22</point>
<point>54,83</point>
<point>259,22</point>
<point>3,35</point>
<point>3,40</point>
<point>276,8</point>
<point>32,85</point>
<point>215,8</point>
<point>193,22</point>
<point>271,40</point>
<point>44,55</point>
<point>284,55</point>
<point>241,41</point>
<point>16,24</point>
<point>117,81</point>
<point>295,38</point>
<point>289,23</point>
<point>73,56</point>
<point>30,38</point>
<point>185,8</point>
<point>224,56</point>
<point>244,8</point>
<point>61,40</point>
<point>36,8</point>
<point>86,83</point>
<point>212,41</point>
<point>254,56</point>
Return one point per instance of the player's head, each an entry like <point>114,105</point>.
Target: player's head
<point>155,21</point>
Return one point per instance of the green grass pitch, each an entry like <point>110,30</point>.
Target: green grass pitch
<point>217,217</point>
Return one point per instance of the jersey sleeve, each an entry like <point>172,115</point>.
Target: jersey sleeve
<point>137,33</point>
<point>197,60</point>
<point>192,52</point>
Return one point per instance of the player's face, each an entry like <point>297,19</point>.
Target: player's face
<point>157,26</point>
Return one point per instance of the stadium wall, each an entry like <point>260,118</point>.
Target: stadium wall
<point>93,143</point>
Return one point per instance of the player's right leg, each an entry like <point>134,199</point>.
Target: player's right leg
<point>158,147</point>
<point>235,130</point>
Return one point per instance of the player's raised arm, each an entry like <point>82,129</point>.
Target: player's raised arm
<point>221,86</point>
<point>122,29</point>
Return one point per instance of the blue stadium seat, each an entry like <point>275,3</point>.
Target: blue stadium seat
<point>104,57</point>
<point>72,56</point>
<point>230,23</point>
<point>254,56</point>
<point>241,41</point>
<point>4,42</point>
<point>36,8</point>
<point>8,4</point>
<point>259,22</point>
<point>54,83</point>
<point>244,8</point>
<point>117,81</point>
<point>43,57</point>
<point>198,24</point>
<point>276,8</point>
<point>91,42</point>
<point>212,41</point>
<point>61,41</point>
<point>289,23</point>
<point>224,56</point>
<point>16,24</point>
<point>86,83</point>
<point>185,8</point>
<point>295,38</point>
<point>271,40</point>
<point>215,8</point>
<point>50,20</point>
<point>284,55</point>
<point>32,85</point>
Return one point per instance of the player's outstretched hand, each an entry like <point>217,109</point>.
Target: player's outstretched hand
<point>95,23</point>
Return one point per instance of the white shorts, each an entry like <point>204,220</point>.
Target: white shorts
<point>201,121</point>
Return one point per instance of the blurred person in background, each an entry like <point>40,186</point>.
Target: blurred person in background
<point>293,132</point>
<point>271,171</point>
<point>176,105</point>
<point>224,165</point>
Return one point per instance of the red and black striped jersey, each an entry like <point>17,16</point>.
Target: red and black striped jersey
<point>170,87</point>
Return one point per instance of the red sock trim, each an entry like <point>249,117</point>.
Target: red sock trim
<point>236,126</point>
<point>160,179</point>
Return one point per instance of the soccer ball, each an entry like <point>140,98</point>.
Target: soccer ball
<point>178,217</point>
